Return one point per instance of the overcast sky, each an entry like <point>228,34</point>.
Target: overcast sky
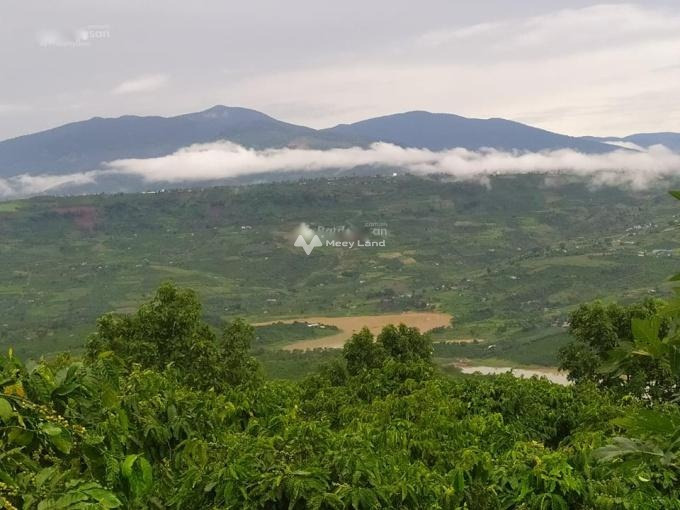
<point>575,67</point>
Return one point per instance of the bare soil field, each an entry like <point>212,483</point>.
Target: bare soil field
<point>425,321</point>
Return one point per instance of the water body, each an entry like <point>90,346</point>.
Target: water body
<point>552,375</point>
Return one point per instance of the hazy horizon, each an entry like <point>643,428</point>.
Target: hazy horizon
<point>573,67</point>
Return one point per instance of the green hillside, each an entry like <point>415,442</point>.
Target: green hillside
<point>159,408</point>
<point>507,260</point>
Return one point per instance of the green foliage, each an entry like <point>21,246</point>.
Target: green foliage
<point>654,434</point>
<point>48,458</point>
<point>361,352</point>
<point>405,344</point>
<point>377,428</point>
<point>393,436</point>
<point>509,261</point>
<point>634,348</point>
<point>165,413</point>
<point>234,353</point>
<point>168,332</point>
<point>294,365</point>
<point>396,343</point>
<point>603,335</point>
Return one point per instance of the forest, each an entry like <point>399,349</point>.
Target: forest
<point>160,409</point>
<point>163,411</point>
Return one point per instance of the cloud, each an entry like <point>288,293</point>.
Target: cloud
<point>6,108</point>
<point>624,144</point>
<point>439,37</point>
<point>147,83</point>
<point>607,82</point>
<point>224,160</point>
<point>585,28</point>
<point>5,189</point>
<point>27,185</point>
<point>611,69</point>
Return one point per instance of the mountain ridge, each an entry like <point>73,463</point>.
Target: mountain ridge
<point>85,145</point>
<point>645,140</point>
<point>436,131</point>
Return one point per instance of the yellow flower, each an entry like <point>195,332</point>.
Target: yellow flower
<point>15,389</point>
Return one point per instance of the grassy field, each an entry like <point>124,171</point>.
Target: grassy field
<point>508,261</point>
<point>282,333</point>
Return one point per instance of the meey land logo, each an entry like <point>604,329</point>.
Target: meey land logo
<point>340,237</point>
<point>314,243</point>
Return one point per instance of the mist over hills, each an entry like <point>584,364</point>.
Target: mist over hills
<point>223,143</point>
<point>85,145</point>
<point>645,140</point>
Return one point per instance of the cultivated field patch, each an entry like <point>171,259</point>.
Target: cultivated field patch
<point>425,321</point>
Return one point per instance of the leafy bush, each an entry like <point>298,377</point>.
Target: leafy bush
<point>378,428</point>
<point>168,331</point>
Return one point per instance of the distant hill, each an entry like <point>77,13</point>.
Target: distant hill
<point>84,145</point>
<point>438,131</point>
<point>670,140</point>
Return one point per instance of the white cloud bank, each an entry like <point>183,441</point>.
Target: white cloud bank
<point>27,185</point>
<point>225,159</point>
<point>222,160</point>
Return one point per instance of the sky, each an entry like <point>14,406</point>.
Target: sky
<point>575,67</point>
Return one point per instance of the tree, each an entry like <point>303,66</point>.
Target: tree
<point>399,343</point>
<point>405,344</point>
<point>240,366</point>
<point>362,353</point>
<point>168,332</point>
<point>600,331</point>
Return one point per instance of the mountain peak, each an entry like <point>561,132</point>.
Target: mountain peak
<point>83,146</point>
<point>440,131</point>
<point>216,108</point>
<point>232,112</point>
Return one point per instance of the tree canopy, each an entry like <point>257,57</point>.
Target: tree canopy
<point>168,332</point>
<point>185,421</point>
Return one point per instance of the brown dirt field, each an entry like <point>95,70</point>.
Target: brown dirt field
<point>84,217</point>
<point>424,321</point>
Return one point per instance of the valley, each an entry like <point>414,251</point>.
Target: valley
<point>507,260</point>
<point>340,255</point>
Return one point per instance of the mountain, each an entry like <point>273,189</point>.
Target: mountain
<point>85,145</point>
<point>670,140</point>
<point>81,146</point>
<point>438,131</point>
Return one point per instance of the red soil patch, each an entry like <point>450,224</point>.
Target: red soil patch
<point>84,217</point>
